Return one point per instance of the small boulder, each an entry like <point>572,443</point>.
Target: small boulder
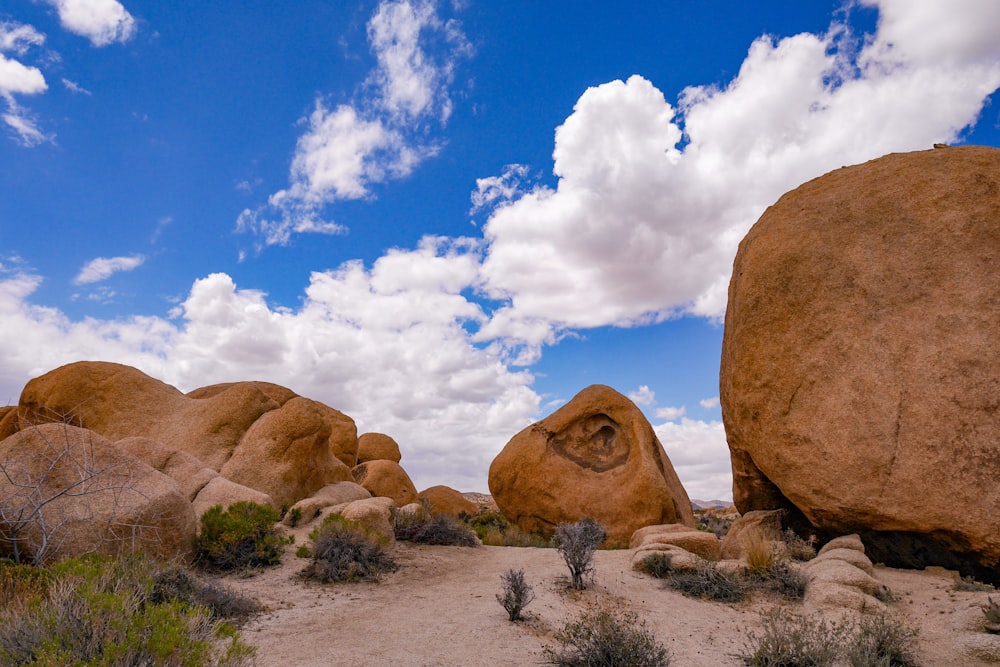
<point>377,447</point>
<point>765,522</point>
<point>446,500</point>
<point>375,514</point>
<point>338,493</point>
<point>386,479</point>
<point>598,457</point>
<point>698,542</point>
<point>221,491</point>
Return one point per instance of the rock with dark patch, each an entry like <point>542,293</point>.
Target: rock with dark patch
<point>860,376</point>
<point>596,457</point>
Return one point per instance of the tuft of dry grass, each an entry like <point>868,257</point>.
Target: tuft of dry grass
<point>758,551</point>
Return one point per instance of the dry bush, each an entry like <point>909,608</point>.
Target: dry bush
<point>789,640</point>
<point>708,582</point>
<point>882,642</point>
<point>344,550</point>
<point>971,585</point>
<point>517,594</point>
<point>493,529</point>
<point>426,528</point>
<point>991,610</point>
<point>799,548</point>
<point>758,552</point>
<point>782,578</point>
<point>656,565</point>
<point>172,583</point>
<point>607,636</point>
<point>576,543</point>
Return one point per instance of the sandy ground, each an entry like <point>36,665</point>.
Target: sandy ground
<point>440,608</point>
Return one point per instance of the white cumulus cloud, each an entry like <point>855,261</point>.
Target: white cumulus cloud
<point>103,268</point>
<point>670,413</point>
<point>103,22</point>
<point>700,456</point>
<point>643,396</point>
<point>709,403</point>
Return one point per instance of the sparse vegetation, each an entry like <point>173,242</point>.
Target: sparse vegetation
<point>344,550</point>
<point>713,522</point>
<point>790,640</point>
<point>607,636</point>
<point>880,641</point>
<point>758,552</point>
<point>971,585</point>
<point>784,579</point>
<point>494,530</point>
<point>517,594</point>
<point>708,582</point>
<point>426,528</point>
<point>173,583</point>
<point>244,536</point>
<point>991,610</point>
<point>100,611</point>
<point>799,548</point>
<point>576,543</point>
<point>656,565</point>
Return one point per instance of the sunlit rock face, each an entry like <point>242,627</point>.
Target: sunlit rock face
<point>860,375</point>
<point>597,457</point>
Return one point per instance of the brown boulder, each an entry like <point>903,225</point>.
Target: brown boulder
<point>763,523</point>
<point>338,493</point>
<point>286,453</point>
<point>91,497</point>
<point>692,540</point>
<point>8,421</point>
<point>860,375</point>
<point>597,456</point>
<point>377,446</point>
<point>386,479</point>
<point>221,491</point>
<point>446,500</point>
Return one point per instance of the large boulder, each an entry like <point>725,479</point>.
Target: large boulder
<point>258,434</point>
<point>860,375</point>
<point>598,457</point>
<point>78,493</point>
<point>386,479</point>
<point>377,446</point>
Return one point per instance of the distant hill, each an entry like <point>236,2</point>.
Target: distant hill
<point>711,504</point>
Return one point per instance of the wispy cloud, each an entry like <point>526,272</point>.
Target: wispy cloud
<point>347,148</point>
<point>16,78</point>
<point>103,22</point>
<point>74,87</point>
<point>103,268</point>
<point>670,413</point>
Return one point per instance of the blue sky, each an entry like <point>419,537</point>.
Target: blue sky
<point>443,218</point>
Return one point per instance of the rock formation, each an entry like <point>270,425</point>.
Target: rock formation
<point>386,479</point>
<point>446,500</point>
<point>597,456</point>
<point>860,376</point>
<point>377,446</point>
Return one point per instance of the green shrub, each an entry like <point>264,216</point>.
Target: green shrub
<point>303,552</point>
<point>882,642</point>
<point>708,582</point>
<point>244,536</point>
<point>344,550</point>
<point>99,611</point>
<point>493,529</point>
<point>576,543</point>
<point>607,636</point>
<point>517,594</point>
<point>656,565</point>
<point>789,640</point>
<point>426,528</point>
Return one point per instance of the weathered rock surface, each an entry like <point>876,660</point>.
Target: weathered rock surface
<point>338,493</point>
<point>377,446</point>
<point>698,542</point>
<point>190,474</point>
<point>375,514</point>
<point>102,499</point>
<point>8,421</point>
<point>842,577</point>
<point>767,523</point>
<point>221,491</point>
<point>446,500</point>
<point>860,376</point>
<point>257,434</point>
<point>386,479</point>
<point>597,457</point>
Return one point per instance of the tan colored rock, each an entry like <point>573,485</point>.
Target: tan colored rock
<point>375,514</point>
<point>286,453</point>
<point>597,456</point>
<point>190,474</point>
<point>377,446</point>
<point>221,491</point>
<point>680,558</point>
<point>698,542</point>
<point>860,365</point>
<point>446,500</point>
<point>8,421</point>
<point>110,502</point>
<point>386,479</point>
<point>338,493</point>
<point>856,558</point>
<point>280,395</point>
<point>766,523</point>
<point>852,541</point>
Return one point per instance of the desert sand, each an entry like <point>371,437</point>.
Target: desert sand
<point>439,609</point>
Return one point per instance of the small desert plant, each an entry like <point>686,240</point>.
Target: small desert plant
<point>607,636</point>
<point>758,552</point>
<point>425,528</point>
<point>799,548</point>
<point>971,585</point>
<point>576,543</point>
<point>784,579</point>
<point>241,537</point>
<point>708,582</point>
<point>303,551</point>
<point>175,584</point>
<point>294,516</point>
<point>881,642</point>
<point>344,550</point>
<point>788,640</point>
<point>100,611</point>
<point>991,610</point>
<point>517,594</point>
<point>494,530</point>
<point>656,565</point>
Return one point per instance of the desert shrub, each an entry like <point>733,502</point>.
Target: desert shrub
<point>789,640</point>
<point>783,579</point>
<point>758,552</point>
<point>493,529</point>
<point>426,528</point>
<point>971,585</point>
<point>607,636</point>
<point>656,565</point>
<point>708,582</point>
<point>100,611</point>
<point>576,543</point>
<point>991,610</point>
<point>344,550</point>
<point>882,642</point>
<point>517,594</point>
<point>173,583</point>
<point>303,551</point>
<point>241,537</point>
<point>710,522</point>
<point>799,548</point>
